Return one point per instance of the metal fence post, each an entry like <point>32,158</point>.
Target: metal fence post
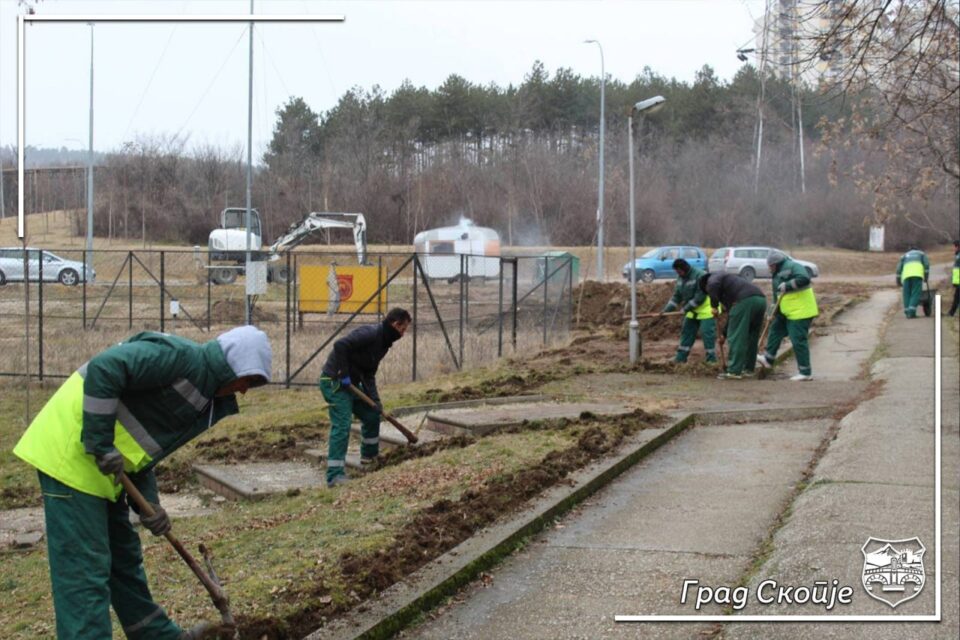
<point>84,294</point>
<point>130,290</point>
<point>209,293</point>
<point>162,285</point>
<point>460,309</point>
<point>287,321</point>
<point>416,265</point>
<point>516,277</point>
<point>39,313</point>
<point>545,279</point>
<point>500,312</point>
<point>380,284</point>
<point>570,295</point>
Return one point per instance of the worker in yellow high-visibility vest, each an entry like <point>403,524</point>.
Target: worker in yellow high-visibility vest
<point>912,271</point>
<point>122,412</point>
<point>955,279</point>
<point>792,316</point>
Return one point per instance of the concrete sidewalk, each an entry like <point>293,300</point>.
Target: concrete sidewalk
<point>877,479</point>
<point>700,507</point>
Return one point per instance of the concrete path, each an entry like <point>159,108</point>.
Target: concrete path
<point>699,508</point>
<point>877,479</point>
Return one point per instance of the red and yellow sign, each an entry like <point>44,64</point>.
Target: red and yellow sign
<point>354,286</point>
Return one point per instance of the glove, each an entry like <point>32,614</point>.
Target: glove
<point>345,381</point>
<point>782,288</point>
<point>899,282</point>
<point>159,522</point>
<point>110,463</point>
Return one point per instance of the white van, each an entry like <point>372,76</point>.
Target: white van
<point>440,249</point>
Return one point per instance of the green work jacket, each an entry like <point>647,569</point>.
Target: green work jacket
<point>145,397</point>
<point>913,264</point>
<point>799,302</point>
<point>688,297</point>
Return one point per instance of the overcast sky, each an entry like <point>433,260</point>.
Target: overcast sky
<point>191,79</point>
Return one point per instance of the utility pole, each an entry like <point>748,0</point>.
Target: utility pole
<point>88,263</point>
<point>247,298</point>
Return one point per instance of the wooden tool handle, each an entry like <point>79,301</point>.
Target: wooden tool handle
<point>409,435</point>
<point>216,592</point>
<point>660,315</point>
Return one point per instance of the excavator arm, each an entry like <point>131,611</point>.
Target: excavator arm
<point>316,221</point>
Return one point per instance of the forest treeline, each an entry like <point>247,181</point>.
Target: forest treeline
<point>524,160</point>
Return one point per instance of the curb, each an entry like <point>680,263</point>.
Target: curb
<point>401,604</point>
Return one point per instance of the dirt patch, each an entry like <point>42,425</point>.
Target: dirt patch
<point>445,524</point>
<point>233,312</point>
<point>19,497</point>
<point>607,304</point>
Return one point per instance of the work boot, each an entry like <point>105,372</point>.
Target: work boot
<point>337,481</point>
<point>749,374</point>
<point>196,632</point>
<point>369,463</point>
<point>801,377</point>
<point>763,362</point>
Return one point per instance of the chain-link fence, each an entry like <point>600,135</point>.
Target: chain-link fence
<point>467,310</point>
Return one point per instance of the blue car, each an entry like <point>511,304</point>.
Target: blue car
<point>658,263</point>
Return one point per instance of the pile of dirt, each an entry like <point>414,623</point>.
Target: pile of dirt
<point>232,312</point>
<point>445,524</point>
<point>607,304</point>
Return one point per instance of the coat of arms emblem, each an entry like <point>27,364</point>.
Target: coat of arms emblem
<point>893,569</point>
<point>345,284</point>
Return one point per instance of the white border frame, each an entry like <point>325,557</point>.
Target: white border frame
<point>935,617</point>
<point>21,59</point>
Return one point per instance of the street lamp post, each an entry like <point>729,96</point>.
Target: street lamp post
<point>644,106</point>
<point>601,274</point>
<point>88,263</point>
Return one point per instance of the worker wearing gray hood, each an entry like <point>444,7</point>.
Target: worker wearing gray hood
<point>122,412</point>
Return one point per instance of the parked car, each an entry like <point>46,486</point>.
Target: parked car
<point>658,263</point>
<point>750,262</point>
<point>55,268</point>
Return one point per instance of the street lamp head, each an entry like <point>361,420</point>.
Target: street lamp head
<point>590,41</point>
<point>649,105</point>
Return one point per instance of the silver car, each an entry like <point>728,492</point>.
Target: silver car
<point>751,262</point>
<point>55,268</point>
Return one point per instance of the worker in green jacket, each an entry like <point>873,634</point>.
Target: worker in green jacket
<point>794,308</point>
<point>695,305</point>
<point>912,271</point>
<point>122,412</point>
<point>955,279</point>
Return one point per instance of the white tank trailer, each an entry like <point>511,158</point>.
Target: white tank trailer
<point>440,251</point>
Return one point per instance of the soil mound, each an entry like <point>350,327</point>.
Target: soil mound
<point>232,312</point>
<point>607,304</point>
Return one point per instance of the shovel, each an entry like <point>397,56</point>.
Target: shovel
<point>766,326</point>
<point>208,578</point>
<point>409,435</point>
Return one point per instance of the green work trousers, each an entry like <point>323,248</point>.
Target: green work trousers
<point>95,561</point>
<point>688,335</point>
<point>797,330</point>
<point>343,406</point>
<point>912,288</point>
<point>744,325</point>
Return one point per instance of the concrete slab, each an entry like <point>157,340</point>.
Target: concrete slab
<point>253,481</point>
<point>698,507</point>
<point>482,420</point>
<point>877,480</point>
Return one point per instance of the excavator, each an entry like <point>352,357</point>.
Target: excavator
<point>228,243</point>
